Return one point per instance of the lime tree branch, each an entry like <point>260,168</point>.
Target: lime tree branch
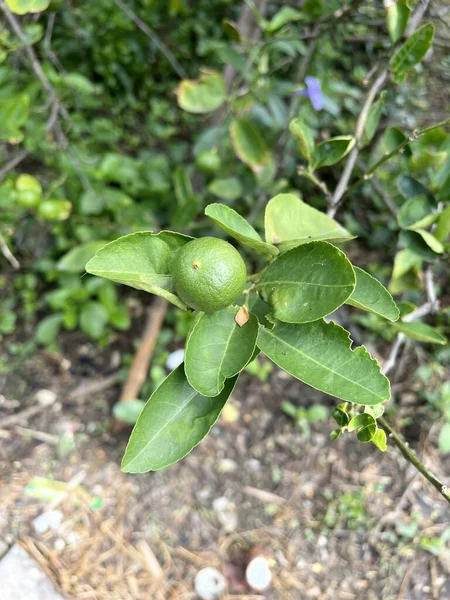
<point>414,460</point>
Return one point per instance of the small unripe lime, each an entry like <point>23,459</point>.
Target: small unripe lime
<point>55,210</point>
<point>209,274</point>
<point>28,198</point>
<point>208,162</point>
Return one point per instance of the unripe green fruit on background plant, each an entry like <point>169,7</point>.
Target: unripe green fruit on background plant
<point>28,198</point>
<point>209,274</point>
<point>55,210</point>
<point>208,162</point>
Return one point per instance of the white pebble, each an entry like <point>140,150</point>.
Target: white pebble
<point>49,520</point>
<point>258,574</point>
<point>209,583</point>
<point>45,397</point>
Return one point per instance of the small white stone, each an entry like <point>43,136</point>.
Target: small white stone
<point>226,513</point>
<point>49,520</point>
<point>258,574</point>
<point>209,583</point>
<point>45,397</point>
<point>175,359</point>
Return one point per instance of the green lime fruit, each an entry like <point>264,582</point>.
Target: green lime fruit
<point>28,198</point>
<point>208,162</point>
<point>209,274</point>
<point>28,183</point>
<point>55,210</point>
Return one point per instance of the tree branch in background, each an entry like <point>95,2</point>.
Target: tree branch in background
<point>153,37</point>
<point>8,254</point>
<point>412,458</point>
<point>342,185</point>
<point>139,367</point>
<point>12,163</point>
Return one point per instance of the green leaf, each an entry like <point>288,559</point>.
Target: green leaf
<point>23,7</point>
<point>411,188</point>
<point>374,116</point>
<point>13,115</point>
<point>229,188</point>
<point>290,222</point>
<point>217,349</point>
<point>366,434</point>
<point>442,230</point>
<point>128,411</point>
<point>430,241</point>
<point>444,439</point>
<point>412,52</point>
<point>361,420</point>
<point>141,260</point>
<point>172,423</point>
<point>202,95</point>
<point>75,260</point>
<point>421,332</point>
<point>320,355</point>
<point>397,17</point>
<point>236,226</point>
<point>48,329</point>
<point>332,151</point>
<point>285,15</point>
<point>308,282</point>
<point>249,146</point>
<point>405,308</point>
<point>304,136</point>
<point>416,213</point>
<point>393,138</point>
<point>369,294</point>
<point>93,319</point>
<point>379,439</point>
<point>415,243</point>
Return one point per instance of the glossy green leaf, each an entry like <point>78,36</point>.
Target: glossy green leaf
<point>285,15</point>
<point>23,7</point>
<point>332,151</point>
<point>217,349</point>
<point>379,439</point>
<point>442,231</point>
<point>290,222</point>
<point>361,420</point>
<point>304,136</point>
<point>421,332</point>
<point>141,260</point>
<point>412,51</point>
<point>393,138</point>
<point>229,188</point>
<point>405,308</point>
<point>369,294</point>
<point>236,226</point>
<point>366,434</point>
<point>320,355</point>
<point>172,423</point>
<point>249,145</point>
<point>202,95</point>
<point>128,411</point>
<point>374,116</point>
<point>307,282</point>
<point>75,260</point>
<point>397,17</point>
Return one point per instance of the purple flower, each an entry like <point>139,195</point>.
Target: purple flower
<point>313,92</point>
